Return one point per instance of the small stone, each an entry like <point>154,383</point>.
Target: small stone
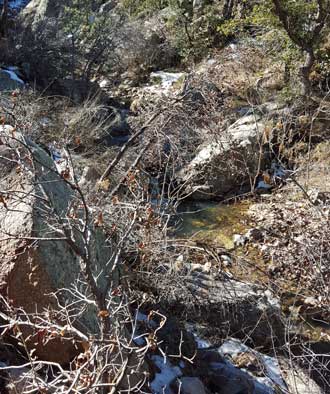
<point>226,260</point>
<point>239,239</point>
<point>310,301</point>
<point>273,269</point>
<point>205,268</point>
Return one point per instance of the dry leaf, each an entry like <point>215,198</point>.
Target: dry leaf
<point>65,173</point>
<point>99,220</point>
<point>104,314</point>
<point>115,200</point>
<point>3,201</point>
<point>85,345</point>
<point>104,185</point>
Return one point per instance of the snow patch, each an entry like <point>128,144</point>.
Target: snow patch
<point>167,80</point>
<point>273,375</point>
<point>162,380</point>
<point>13,75</point>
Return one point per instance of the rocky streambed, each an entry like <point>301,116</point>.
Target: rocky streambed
<point>240,279</point>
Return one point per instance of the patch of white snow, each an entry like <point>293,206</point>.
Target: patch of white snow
<point>273,375</point>
<point>13,76</point>
<point>162,380</point>
<point>167,80</point>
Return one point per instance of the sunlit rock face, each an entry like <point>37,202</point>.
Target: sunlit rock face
<point>38,10</point>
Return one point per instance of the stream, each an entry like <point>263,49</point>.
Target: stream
<point>216,225</point>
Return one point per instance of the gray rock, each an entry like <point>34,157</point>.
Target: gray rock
<point>225,304</point>
<point>223,377</point>
<point>239,240</point>
<point>30,270</point>
<point>226,260</point>
<point>116,130</point>
<point>225,165</point>
<point>39,10</point>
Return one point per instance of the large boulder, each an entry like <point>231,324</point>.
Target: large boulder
<point>226,164</point>
<point>38,10</point>
<point>32,268</point>
<point>221,305</point>
<point>243,308</point>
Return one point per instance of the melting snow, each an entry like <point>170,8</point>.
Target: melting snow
<point>168,372</point>
<point>233,347</point>
<point>167,80</point>
<point>13,75</point>
<point>60,159</point>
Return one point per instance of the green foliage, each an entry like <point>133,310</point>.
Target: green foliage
<point>91,35</point>
<point>79,18</point>
<point>193,35</point>
<point>285,27</point>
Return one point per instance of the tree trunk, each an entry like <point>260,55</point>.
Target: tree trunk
<point>4,19</point>
<point>305,71</point>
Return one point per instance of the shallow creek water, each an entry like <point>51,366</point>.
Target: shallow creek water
<point>216,224</point>
<point>213,222</point>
